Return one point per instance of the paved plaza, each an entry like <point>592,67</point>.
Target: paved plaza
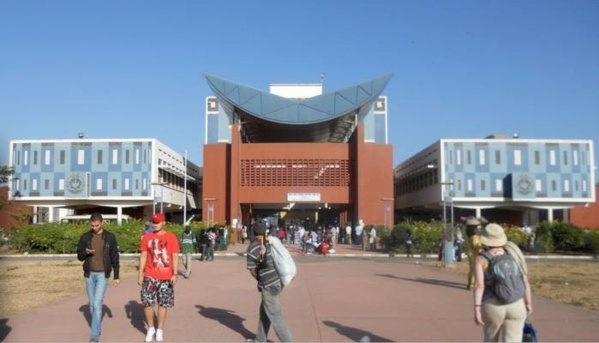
<point>345,298</point>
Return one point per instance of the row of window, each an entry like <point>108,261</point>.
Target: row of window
<point>517,158</point>
<point>81,157</point>
<point>429,179</point>
<point>61,184</point>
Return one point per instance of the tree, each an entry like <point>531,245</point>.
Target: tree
<point>5,173</point>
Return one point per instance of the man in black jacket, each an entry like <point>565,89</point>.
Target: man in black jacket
<point>99,251</point>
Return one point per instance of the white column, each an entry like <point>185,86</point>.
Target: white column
<point>478,212</point>
<point>550,214</point>
<point>119,215</point>
<point>34,218</point>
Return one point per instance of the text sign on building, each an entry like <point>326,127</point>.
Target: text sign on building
<point>299,197</point>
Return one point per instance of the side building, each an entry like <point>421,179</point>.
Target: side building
<point>509,180</point>
<point>297,156</point>
<point>119,177</point>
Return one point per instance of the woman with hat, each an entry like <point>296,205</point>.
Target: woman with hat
<point>500,321</point>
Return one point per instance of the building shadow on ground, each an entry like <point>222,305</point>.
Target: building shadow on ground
<point>4,329</point>
<point>355,334</point>
<point>106,311</point>
<point>428,281</point>
<point>135,312</point>
<point>227,318</point>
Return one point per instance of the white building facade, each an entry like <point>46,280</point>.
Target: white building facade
<point>532,177</point>
<point>136,177</point>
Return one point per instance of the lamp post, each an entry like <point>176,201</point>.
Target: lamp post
<point>447,232</point>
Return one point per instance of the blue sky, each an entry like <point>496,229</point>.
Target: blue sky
<point>463,69</point>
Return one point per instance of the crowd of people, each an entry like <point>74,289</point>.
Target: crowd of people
<point>498,272</point>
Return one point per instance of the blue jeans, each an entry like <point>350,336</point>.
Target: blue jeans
<point>96,289</point>
<point>270,313</point>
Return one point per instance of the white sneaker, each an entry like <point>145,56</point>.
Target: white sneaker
<point>159,336</point>
<point>150,335</point>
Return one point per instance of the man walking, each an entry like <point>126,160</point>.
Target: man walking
<point>99,251</point>
<point>260,263</point>
<point>158,266</point>
<point>188,242</point>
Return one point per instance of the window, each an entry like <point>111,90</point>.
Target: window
<point>584,185</point>
<point>538,185</point>
<point>61,185</point>
<point>537,157</point>
<point>62,157</point>
<point>517,157</point>
<point>25,158</point>
<point>575,157</point>
<point>46,184</point>
<point>566,185</point>
<point>458,157</point>
<point>145,157</point>
<point>115,156</point>
<point>47,157</point>
<point>469,185</point>
<point>481,157</point>
<point>136,184</point>
<point>34,185</point>
<point>81,157</point>
<point>497,157</point>
<point>126,184</point>
<point>483,185</point>
<point>136,156</point>
<point>99,184</point>
<point>576,185</point>
<point>144,183</point>
<point>552,157</point>
<point>553,185</point>
<point>127,156</point>
<point>100,157</point>
<point>35,158</point>
<point>114,184</point>
<point>468,157</point>
<point>459,185</point>
<point>24,185</point>
<point>499,185</point>
<point>565,158</point>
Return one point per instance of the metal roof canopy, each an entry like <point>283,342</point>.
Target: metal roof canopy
<point>268,118</point>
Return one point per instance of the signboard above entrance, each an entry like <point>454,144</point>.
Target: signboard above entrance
<point>299,197</point>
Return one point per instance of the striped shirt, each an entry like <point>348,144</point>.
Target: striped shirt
<point>267,274</point>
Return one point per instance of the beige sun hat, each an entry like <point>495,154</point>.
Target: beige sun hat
<point>493,236</point>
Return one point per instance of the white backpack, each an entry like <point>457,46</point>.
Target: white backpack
<point>283,261</point>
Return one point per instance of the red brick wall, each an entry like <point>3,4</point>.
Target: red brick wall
<point>373,179</point>
<point>586,216</point>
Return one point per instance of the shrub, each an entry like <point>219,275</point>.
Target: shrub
<point>591,242</point>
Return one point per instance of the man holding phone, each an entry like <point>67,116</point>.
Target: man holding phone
<point>99,251</point>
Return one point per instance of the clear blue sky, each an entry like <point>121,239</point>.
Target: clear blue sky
<point>463,69</point>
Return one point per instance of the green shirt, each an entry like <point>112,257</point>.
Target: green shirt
<point>187,242</point>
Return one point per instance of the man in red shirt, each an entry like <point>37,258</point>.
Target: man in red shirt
<point>158,268</point>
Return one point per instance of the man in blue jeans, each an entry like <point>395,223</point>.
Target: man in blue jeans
<point>260,263</point>
<point>99,251</point>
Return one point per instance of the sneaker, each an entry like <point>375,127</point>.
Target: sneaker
<point>150,335</point>
<point>159,336</point>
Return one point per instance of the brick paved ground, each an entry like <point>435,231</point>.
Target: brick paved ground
<point>333,299</point>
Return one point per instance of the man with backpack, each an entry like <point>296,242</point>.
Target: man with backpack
<point>502,296</point>
<point>261,265</point>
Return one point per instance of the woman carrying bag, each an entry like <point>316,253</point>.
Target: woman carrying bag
<point>502,296</point>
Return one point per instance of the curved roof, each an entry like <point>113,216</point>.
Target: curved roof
<point>267,117</point>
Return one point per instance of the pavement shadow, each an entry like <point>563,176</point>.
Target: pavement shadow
<point>227,318</point>
<point>428,281</point>
<point>135,312</point>
<point>4,329</point>
<point>355,334</point>
<point>106,311</point>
